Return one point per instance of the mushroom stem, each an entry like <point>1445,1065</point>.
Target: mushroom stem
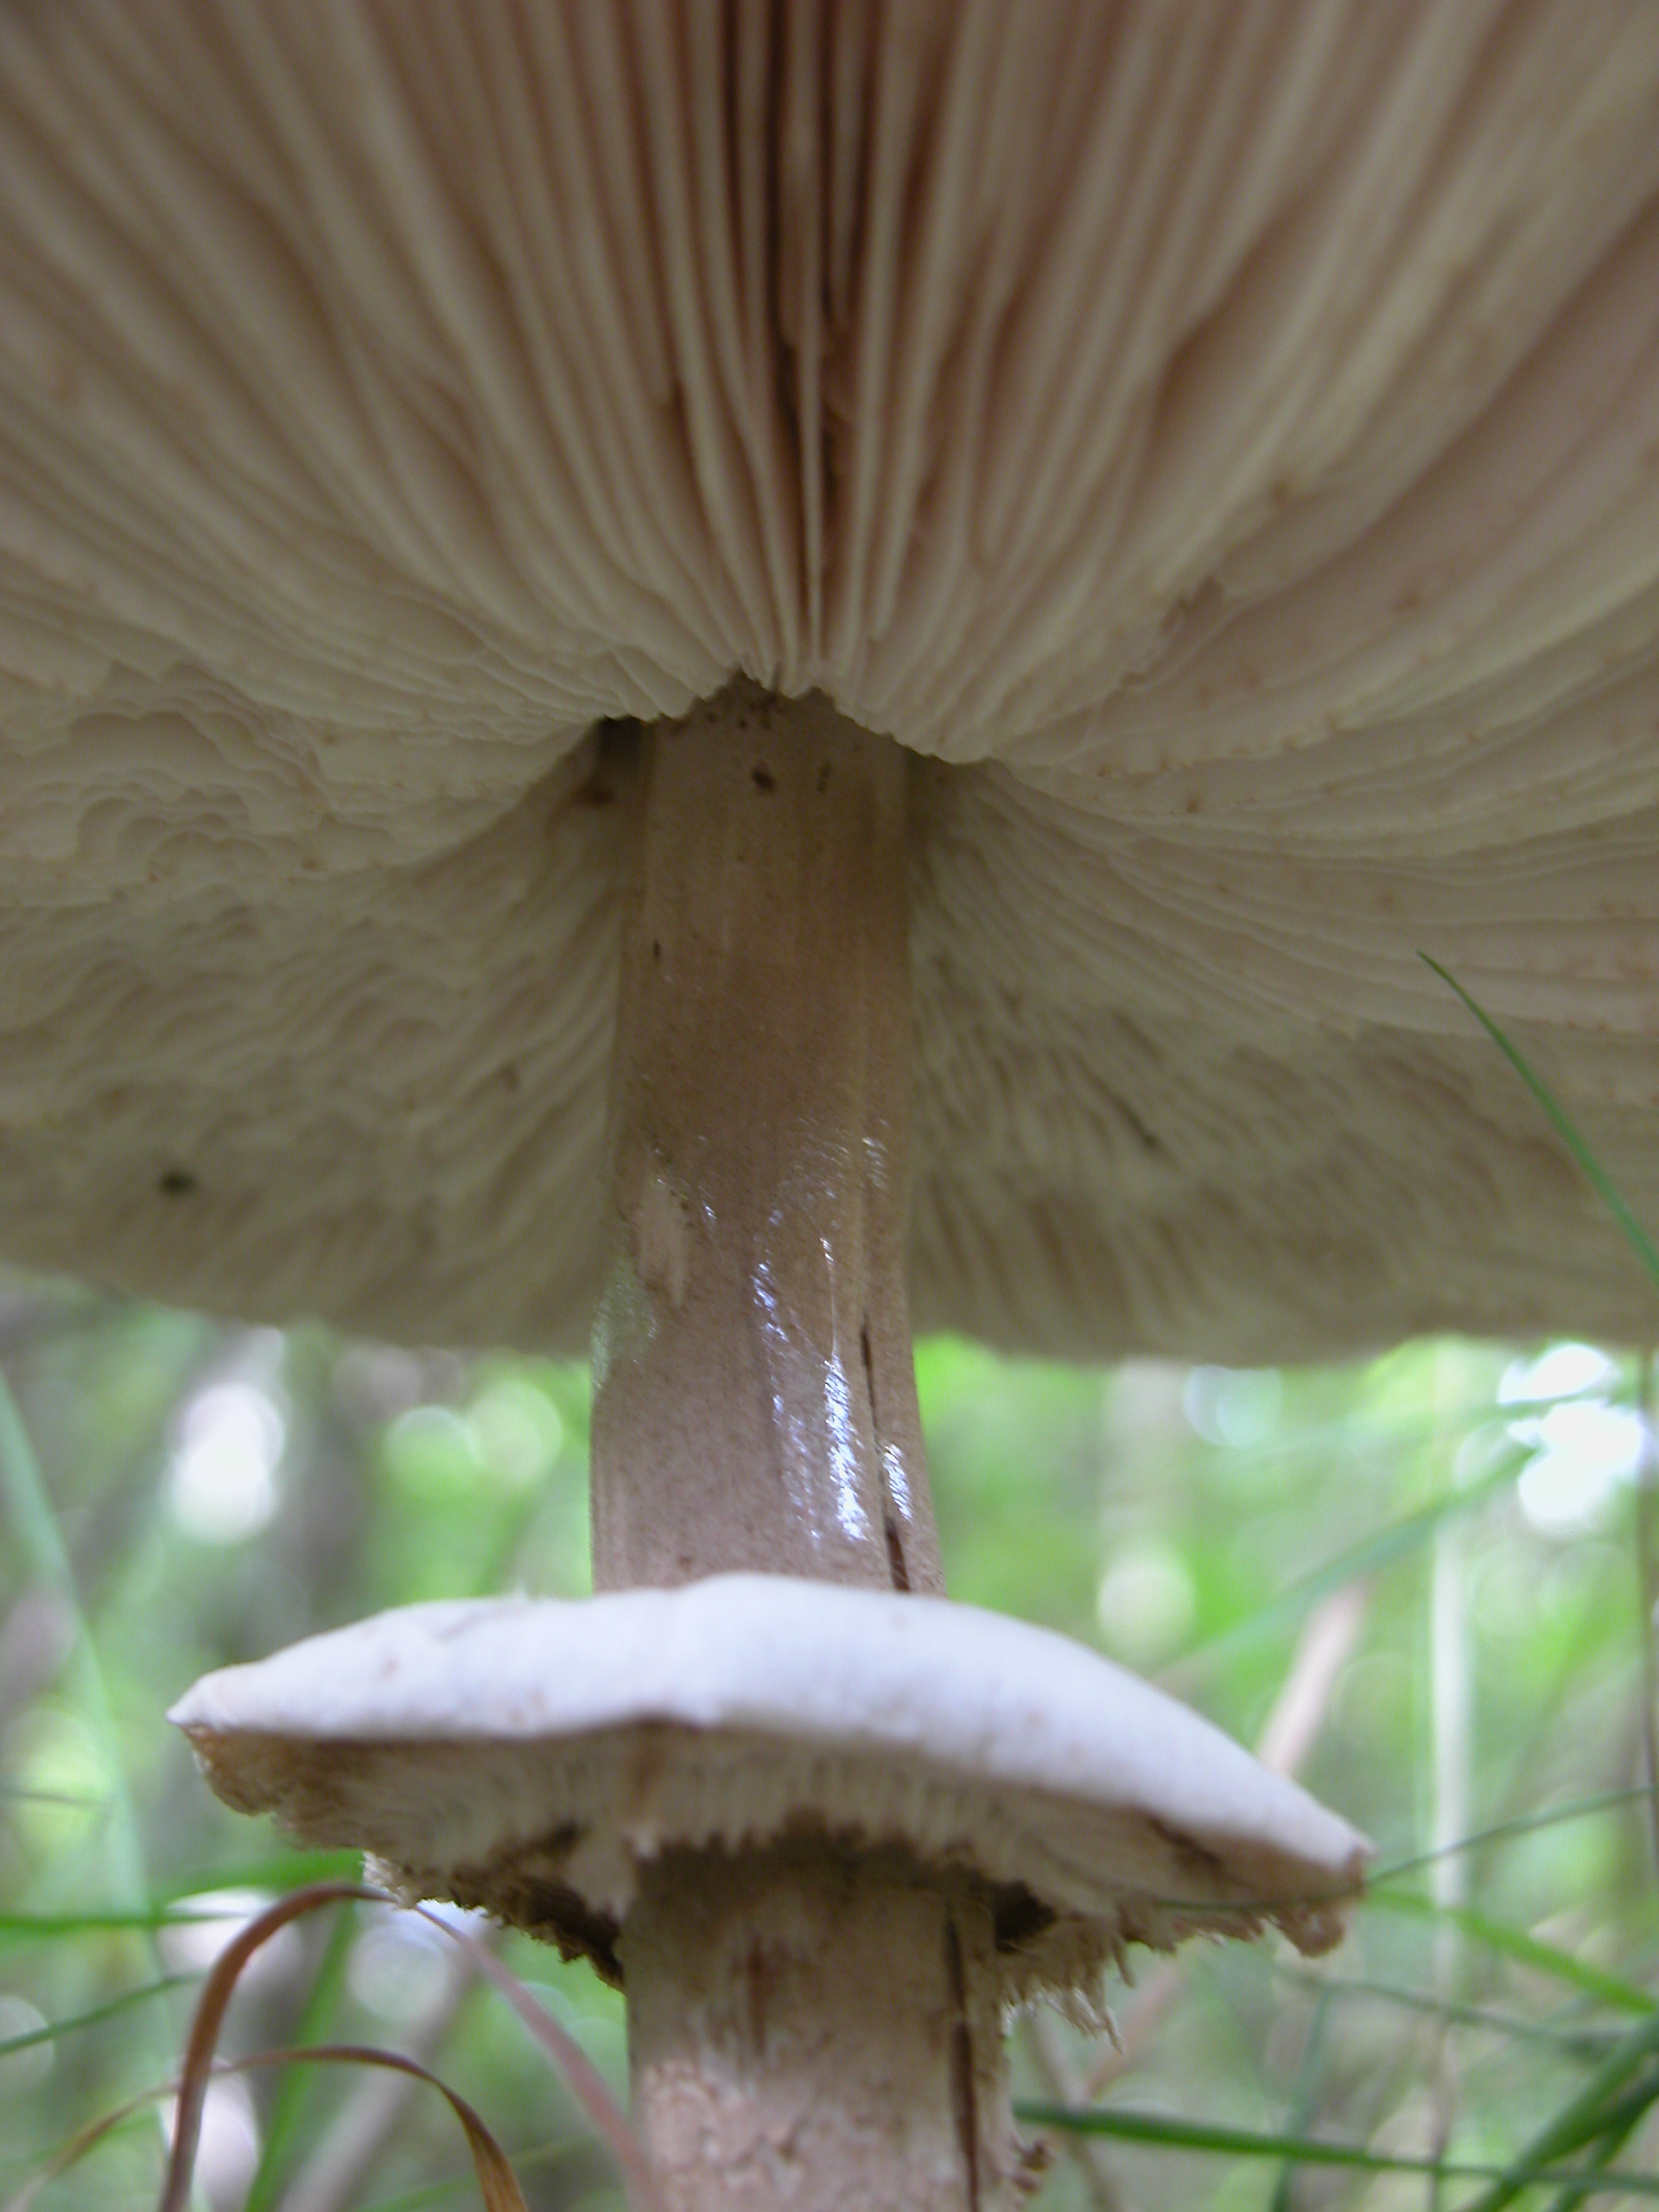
<point>755,1399</point>
<point>818,2028</point>
<point>820,2032</point>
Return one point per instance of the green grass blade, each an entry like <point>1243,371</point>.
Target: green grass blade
<point>1384,1548</point>
<point>573,2151</point>
<point>46,1557</point>
<point>1526,1950</point>
<point>1582,2117</point>
<point>1634,1236</point>
<point>295,2083</point>
<point>1586,2042</point>
<point>1310,2083</point>
<point>13,1794</point>
<point>43,1926</point>
<point>28,1508</point>
<point>55,2030</point>
<point>1619,2125</point>
<point>1524,1824</point>
<point>292,1870</point>
<point>1169,2133</point>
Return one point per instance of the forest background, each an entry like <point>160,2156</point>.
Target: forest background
<point>1427,1581</point>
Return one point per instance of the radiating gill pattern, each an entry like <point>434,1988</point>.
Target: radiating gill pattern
<point>1226,438</point>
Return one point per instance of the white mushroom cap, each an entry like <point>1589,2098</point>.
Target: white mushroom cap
<point>529,1755</point>
<point>1226,437</point>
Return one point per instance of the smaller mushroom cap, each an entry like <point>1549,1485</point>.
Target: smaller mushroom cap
<point>528,1756</point>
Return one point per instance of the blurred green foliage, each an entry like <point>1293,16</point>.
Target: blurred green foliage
<point>177,1495</point>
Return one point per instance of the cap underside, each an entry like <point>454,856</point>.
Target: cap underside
<point>1225,446</point>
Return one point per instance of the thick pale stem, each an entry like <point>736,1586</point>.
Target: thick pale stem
<point>754,1397</point>
<point>818,2028</point>
<point>820,2032</point>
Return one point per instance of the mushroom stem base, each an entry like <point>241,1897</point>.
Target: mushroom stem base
<point>820,2031</point>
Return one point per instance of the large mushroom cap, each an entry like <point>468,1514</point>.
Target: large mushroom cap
<point>1223,441</point>
<point>529,1755</point>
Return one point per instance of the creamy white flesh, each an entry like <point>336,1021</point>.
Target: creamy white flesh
<point>1226,434</point>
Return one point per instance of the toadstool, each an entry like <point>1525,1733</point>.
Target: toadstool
<point>1186,474</point>
<point>819,1763</point>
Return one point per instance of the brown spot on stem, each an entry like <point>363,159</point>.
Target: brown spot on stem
<point>898,1571</point>
<point>964,2104</point>
<point>897,1565</point>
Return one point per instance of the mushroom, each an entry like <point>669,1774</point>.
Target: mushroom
<point>825,1825</point>
<point>752,565</point>
<point>766,1803</point>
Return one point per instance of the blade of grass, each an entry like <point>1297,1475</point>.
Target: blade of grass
<point>55,2030</point>
<point>581,2076</point>
<point>1357,1563</point>
<point>1526,1950</point>
<point>85,2139</point>
<point>46,1556</point>
<point>1621,2122</point>
<point>337,2163</point>
<point>291,1870</point>
<point>539,2158</point>
<point>1306,2105</point>
<point>1588,2043</point>
<point>1581,2119</point>
<point>216,1994</point>
<point>496,2181</point>
<point>1644,1502</point>
<point>287,2105</point>
<point>1059,2081</point>
<point>39,1542</point>
<point>25,1926</point>
<point>83,1800</point>
<point>1634,1236</point>
<point>1169,2133</point>
<point>290,1873</point>
<point>1549,2140</point>
<point>1524,1824</point>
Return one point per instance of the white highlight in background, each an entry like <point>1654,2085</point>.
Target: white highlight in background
<point>1564,1371</point>
<point>1587,1450</point>
<point>230,1441</point>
